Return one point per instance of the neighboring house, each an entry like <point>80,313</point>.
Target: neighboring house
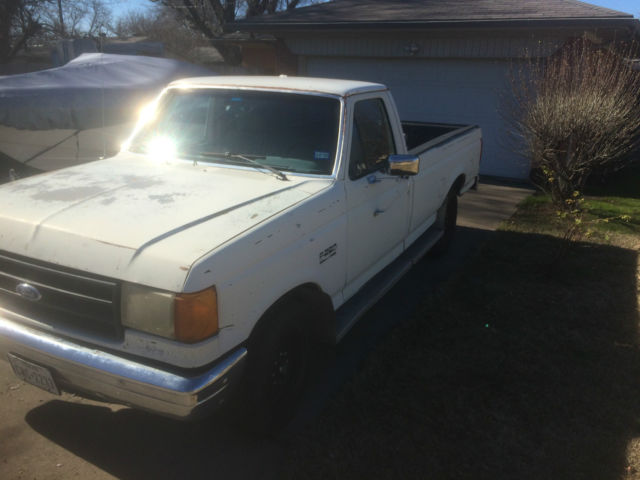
<point>444,60</point>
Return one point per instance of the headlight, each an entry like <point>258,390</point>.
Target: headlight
<point>187,317</point>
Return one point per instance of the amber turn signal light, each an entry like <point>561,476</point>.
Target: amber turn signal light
<point>196,315</point>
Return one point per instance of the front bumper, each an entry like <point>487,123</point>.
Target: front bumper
<point>95,373</point>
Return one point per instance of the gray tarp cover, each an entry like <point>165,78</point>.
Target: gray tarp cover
<point>91,91</point>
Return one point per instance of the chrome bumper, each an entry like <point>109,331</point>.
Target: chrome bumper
<point>79,369</point>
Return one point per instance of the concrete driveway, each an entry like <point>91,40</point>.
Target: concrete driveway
<point>46,437</point>
<point>489,205</point>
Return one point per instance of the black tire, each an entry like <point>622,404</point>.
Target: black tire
<point>446,219</point>
<point>278,359</point>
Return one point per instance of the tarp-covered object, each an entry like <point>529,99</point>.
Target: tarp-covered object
<point>92,91</point>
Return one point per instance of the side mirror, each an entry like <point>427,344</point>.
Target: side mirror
<point>403,165</point>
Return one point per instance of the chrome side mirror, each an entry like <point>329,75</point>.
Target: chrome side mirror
<point>403,165</point>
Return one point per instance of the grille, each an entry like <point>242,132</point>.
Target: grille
<point>70,299</point>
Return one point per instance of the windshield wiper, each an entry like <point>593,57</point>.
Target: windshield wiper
<point>247,159</point>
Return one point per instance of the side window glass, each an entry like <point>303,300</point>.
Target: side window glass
<point>371,138</point>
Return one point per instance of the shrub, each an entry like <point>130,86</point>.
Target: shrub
<point>574,113</point>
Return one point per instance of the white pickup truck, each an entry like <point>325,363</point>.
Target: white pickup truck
<point>245,218</point>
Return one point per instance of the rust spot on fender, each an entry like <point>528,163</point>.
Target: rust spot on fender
<point>186,269</point>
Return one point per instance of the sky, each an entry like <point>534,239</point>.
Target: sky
<point>119,8</point>
<point>627,6</point>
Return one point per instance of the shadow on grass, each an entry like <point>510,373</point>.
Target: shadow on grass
<point>520,369</point>
<point>623,183</point>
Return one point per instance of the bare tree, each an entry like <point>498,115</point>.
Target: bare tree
<point>24,21</point>
<point>576,112</point>
<point>136,23</point>
<point>163,25</point>
<point>75,18</point>
<point>63,30</point>
<point>98,18</point>
<point>210,16</point>
<point>260,7</point>
<point>19,22</point>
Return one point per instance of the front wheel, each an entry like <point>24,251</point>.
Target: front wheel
<point>446,219</point>
<point>276,369</point>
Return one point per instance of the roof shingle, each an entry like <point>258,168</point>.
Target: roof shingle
<point>436,11</point>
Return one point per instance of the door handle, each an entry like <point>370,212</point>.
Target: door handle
<point>371,179</point>
<point>377,212</point>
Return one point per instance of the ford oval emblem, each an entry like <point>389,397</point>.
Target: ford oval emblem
<point>28,291</point>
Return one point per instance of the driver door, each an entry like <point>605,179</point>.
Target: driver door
<point>377,203</point>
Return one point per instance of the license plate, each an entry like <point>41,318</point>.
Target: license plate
<point>33,374</point>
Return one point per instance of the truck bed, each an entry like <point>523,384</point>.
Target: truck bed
<point>421,136</point>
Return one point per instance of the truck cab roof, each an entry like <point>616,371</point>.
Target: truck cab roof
<point>342,88</point>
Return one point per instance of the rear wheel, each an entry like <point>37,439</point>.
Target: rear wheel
<point>446,219</point>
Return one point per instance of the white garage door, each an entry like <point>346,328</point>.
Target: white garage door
<point>449,91</point>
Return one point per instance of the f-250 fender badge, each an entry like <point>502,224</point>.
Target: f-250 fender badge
<point>328,252</point>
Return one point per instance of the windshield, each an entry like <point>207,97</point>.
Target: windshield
<point>291,132</point>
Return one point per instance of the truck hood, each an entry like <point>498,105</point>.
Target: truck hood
<point>136,220</point>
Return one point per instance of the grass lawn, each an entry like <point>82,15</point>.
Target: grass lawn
<point>525,366</point>
<point>609,212</point>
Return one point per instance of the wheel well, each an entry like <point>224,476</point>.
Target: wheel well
<point>321,316</point>
<point>458,184</point>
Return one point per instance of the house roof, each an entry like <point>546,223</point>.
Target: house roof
<point>341,14</point>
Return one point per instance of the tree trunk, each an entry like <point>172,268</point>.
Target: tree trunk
<point>8,10</point>
<point>63,33</point>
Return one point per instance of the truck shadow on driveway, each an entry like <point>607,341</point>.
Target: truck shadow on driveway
<point>516,385</point>
<point>528,368</point>
<point>131,444</point>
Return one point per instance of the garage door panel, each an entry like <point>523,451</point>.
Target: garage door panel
<point>440,90</point>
